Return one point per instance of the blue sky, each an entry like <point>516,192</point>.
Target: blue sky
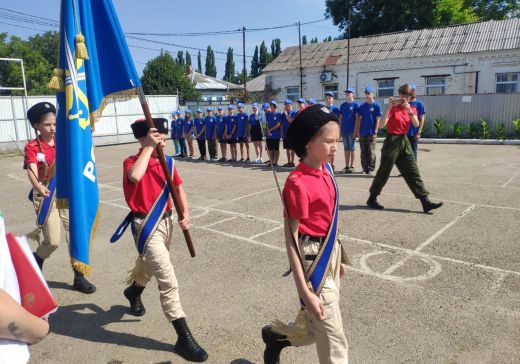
<point>171,16</point>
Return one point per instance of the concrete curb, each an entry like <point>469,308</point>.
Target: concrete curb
<point>465,141</point>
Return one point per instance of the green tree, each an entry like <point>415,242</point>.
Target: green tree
<point>230,66</point>
<point>265,57</point>
<point>314,40</point>
<point>38,69</point>
<point>495,10</point>
<point>188,58</point>
<point>255,64</point>
<point>328,39</point>
<point>180,58</point>
<point>448,12</point>
<point>199,63</point>
<point>164,76</point>
<point>211,68</point>
<point>304,39</point>
<point>276,48</point>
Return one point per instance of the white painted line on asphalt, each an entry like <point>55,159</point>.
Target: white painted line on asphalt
<point>400,263</point>
<point>265,232</point>
<point>222,221</point>
<point>440,198</point>
<point>445,227</point>
<point>432,256</point>
<point>242,197</point>
<point>233,236</point>
<point>245,216</point>
<point>511,179</point>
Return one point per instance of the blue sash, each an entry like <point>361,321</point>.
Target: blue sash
<point>46,204</point>
<point>152,219</point>
<point>319,268</point>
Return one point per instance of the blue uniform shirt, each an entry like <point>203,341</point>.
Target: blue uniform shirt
<point>186,126</point>
<point>254,121</point>
<point>199,124</point>
<point>178,127</point>
<point>220,120</point>
<point>369,114</point>
<point>285,123</point>
<point>272,119</point>
<point>333,109</point>
<point>421,110</point>
<point>231,123</point>
<point>173,128</point>
<point>348,117</point>
<point>241,118</point>
<point>210,122</point>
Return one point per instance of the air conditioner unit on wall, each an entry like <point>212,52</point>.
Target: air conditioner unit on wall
<point>326,76</point>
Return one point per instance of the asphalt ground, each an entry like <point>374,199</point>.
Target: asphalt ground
<point>422,288</point>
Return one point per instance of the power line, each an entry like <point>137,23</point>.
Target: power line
<point>34,16</point>
<point>21,26</point>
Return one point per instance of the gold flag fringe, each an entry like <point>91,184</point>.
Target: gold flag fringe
<point>124,95</point>
<point>294,331</point>
<point>81,49</point>
<point>80,267</point>
<point>139,274</point>
<point>56,83</point>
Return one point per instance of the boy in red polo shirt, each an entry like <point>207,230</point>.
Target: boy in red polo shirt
<point>316,257</point>
<point>39,161</point>
<point>143,184</point>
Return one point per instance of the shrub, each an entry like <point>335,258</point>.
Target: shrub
<point>500,131</point>
<point>425,130</point>
<point>439,124</point>
<point>516,124</point>
<point>474,131</point>
<point>458,129</point>
<point>485,131</point>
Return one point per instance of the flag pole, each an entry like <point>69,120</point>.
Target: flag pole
<point>167,173</point>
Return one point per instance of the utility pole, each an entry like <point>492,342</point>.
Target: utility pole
<point>348,45</point>
<point>301,68</point>
<point>244,70</point>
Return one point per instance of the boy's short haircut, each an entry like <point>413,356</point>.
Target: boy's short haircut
<point>140,127</point>
<point>306,125</point>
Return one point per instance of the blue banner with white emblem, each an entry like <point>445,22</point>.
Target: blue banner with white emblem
<point>94,62</point>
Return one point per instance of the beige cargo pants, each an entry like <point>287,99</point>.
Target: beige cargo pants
<point>331,343</point>
<point>157,262</point>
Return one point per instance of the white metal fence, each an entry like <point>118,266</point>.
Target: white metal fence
<point>113,127</point>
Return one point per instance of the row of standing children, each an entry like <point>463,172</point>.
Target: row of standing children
<point>236,128</point>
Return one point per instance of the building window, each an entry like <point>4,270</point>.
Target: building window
<point>385,88</point>
<point>435,86</point>
<point>331,88</point>
<point>293,92</point>
<point>507,82</point>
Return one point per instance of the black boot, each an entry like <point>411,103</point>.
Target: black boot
<point>81,284</point>
<point>372,202</point>
<point>133,295</point>
<point>39,260</point>
<point>427,205</point>
<point>274,344</point>
<point>186,345</point>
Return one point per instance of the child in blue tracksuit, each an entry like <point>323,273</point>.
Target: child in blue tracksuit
<point>243,132</point>
<point>367,125</point>
<point>211,133</point>
<point>175,137</point>
<point>221,126</point>
<point>200,134</point>
<point>347,121</point>
<point>414,133</point>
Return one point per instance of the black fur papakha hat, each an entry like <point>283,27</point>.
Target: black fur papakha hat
<point>306,125</point>
<point>140,127</point>
<point>35,113</point>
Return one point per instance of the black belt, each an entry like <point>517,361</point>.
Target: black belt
<point>143,216</point>
<point>314,239</point>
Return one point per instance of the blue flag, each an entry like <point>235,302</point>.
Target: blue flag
<point>94,63</point>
